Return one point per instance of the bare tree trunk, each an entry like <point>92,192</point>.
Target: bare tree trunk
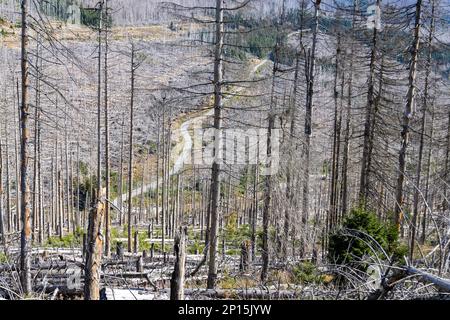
<point>267,202</point>
<point>8,183</point>
<point>178,275</point>
<point>336,142</point>
<point>215,173</point>
<point>344,183</point>
<point>310,75</point>
<point>99,110</point>
<point>345,158</point>
<point>130,163</point>
<point>2,218</point>
<point>94,251</point>
<point>158,156</point>
<point>141,196</point>
<point>407,115</point>
<point>60,206</point>
<point>167,172</point>
<point>292,143</point>
<point>163,171</point>
<point>53,198</point>
<point>107,161</point>
<point>25,240</point>
<point>35,173</point>
<point>94,248</point>
<point>446,201</point>
<point>364,177</point>
<point>120,184</point>
<point>66,164</point>
<point>78,218</point>
<point>255,207</point>
<point>422,135</point>
<point>17,162</point>
<point>40,188</point>
<point>427,180</point>
<point>136,241</point>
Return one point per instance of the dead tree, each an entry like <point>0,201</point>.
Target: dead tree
<point>130,160</point>
<point>365,170</point>
<point>99,102</point>
<point>2,226</point>
<point>215,173</point>
<point>406,119</point>
<point>426,98</point>
<point>94,250</point>
<point>245,255</point>
<point>178,274</point>
<point>310,76</point>
<point>25,240</point>
<point>268,179</point>
<point>107,156</point>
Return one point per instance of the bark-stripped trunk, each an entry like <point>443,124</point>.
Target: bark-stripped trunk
<point>310,75</point>
<point>2,215</point>
<point>163,172</point>
<point>94,251</point>
<point>107,162</point>
<point>365,170</point>
<point>215,173</point>
<point>35,207</point>
<point>426,92</point>
<point>178,274</point>
<point>269,176</point>
<point>78,218</point>
<point>94,248</point>
<point>336,143</point>
<point>158,156</point>
<point>99,102</point>
<point>407,115</point>
<point>17,137</point>
<point>25,240</point>
<point>10,222</point>
<point>130,160</point>
<point>345,157</point>
<point>292,144</point>
<point>120,184</point>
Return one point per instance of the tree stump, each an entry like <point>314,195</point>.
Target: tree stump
<point>94,251</point>
<point>245,253</point>
<point>119,251</point>
<point>177,280</point>
<point>140,264</point>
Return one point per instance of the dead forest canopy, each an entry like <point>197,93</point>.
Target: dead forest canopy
<point>327,122</point>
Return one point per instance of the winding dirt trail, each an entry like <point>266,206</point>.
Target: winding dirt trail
<point>187,143</point>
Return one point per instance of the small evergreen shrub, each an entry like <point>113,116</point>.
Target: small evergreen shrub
<point>306,273</point>
<point>362,234</point>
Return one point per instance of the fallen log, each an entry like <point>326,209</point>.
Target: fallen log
<point>388,283</point>
<point>254,293</point>
<point>44,266</point>
<point>441,283</point>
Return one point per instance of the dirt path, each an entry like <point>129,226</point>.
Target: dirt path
<point>187,143</point>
